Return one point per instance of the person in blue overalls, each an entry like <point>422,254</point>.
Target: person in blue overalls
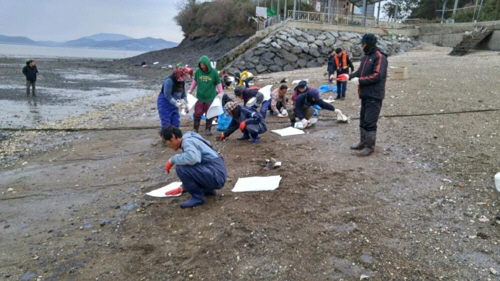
<point>172,97</point>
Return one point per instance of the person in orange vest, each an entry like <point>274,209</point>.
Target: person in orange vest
<point>341,64</point>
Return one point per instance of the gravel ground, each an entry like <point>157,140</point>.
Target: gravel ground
<point>422,208</point>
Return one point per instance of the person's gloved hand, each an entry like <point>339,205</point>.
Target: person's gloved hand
<point>355,81</point>
<point>304,123</point>
<point>168,166</point>
<point>175,192</point>
<point>284,112</point>
<point>243,125</point>
<point>280,115</point>
<point>221,137</point>
<point>343,77</point>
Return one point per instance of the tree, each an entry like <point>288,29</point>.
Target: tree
<point>405,8</point>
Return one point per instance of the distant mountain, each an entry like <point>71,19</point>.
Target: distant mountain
<point>98,41</point>
<point>16,40</point>
<point>107,37</point>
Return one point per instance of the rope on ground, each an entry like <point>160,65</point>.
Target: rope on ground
<point>272,122</point>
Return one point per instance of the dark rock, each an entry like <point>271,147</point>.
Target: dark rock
<point>305,56</point>
<point>28,276</point>
<point>286,46</point>
<point>275,68</point>
<point>312,63</point>
<point>279,62</point>
<point>314,52</point>
<point>288,56</point>
<point>321,60</point>
<point>259,51</point>
<point>268,55</point>
<point>288,68</point>
<point>293,41</point>
<point>319,43</point>
<point>302,62</point>
<point>260,68</point>
<point>297,50</point>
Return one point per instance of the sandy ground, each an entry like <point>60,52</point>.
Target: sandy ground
<point>422,208</point>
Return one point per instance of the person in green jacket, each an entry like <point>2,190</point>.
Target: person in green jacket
<point>208,83</point>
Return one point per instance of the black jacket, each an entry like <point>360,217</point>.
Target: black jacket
<point>30,73</point>
<point>247,114</point>
<point>309,98</point>
<point>372,74</point>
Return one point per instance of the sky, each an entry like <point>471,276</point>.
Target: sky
<point>62,20</point>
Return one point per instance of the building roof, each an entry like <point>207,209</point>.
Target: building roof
<point>359,3</point>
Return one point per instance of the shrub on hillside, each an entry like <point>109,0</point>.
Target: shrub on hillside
<point>219,17</point>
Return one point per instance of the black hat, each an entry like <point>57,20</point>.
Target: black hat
<point>369,39</point>
<point>238,91</point>
<point>338,50</point>
<point>302,84</point>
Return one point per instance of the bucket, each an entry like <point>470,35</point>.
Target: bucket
<point>215,108</point>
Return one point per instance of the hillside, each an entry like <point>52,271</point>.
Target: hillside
<point>189,51</point>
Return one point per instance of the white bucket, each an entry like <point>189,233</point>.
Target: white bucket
<point>215,109</point>
<point>497,181</point>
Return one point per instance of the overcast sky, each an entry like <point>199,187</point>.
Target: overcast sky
<point>62,20</point>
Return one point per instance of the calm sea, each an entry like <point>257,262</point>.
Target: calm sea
<point>22,51</point>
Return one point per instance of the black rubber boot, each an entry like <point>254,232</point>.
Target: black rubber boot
<point>196,125</point>
<point>197,198</point>
<point>361,143</point>
<point>245,136</point>
<point>208,127</point>
<point>370,139</point>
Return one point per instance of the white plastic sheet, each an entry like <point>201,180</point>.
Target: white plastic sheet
<point>257,184</point>
<point>160,192</point>
<point>191,102</point>
<point>215,109</point>
<point>290,131</point>
<point>266,91</point>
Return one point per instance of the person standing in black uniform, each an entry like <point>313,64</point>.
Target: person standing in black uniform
<point>370,78</point>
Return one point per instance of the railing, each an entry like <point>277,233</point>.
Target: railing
<point>351,20</point>
<point>338,19</point>
<point>265,23</point>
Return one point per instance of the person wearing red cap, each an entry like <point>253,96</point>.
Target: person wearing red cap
<point>172,97</point>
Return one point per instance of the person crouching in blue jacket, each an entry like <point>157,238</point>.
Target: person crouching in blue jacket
<point>247,119</point>
<point>172,97</point>
<point>201,170</point>
<point>306,99</point>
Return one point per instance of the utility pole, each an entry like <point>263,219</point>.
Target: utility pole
<point>294,8</point>
<point>364,13</point>
<point>455,8</point>
<point>444,7</point>
<point>286,4</point>
<point>378,12</point>
<point>479,13</point>
<point>278,11</point>
<point>396,11</point>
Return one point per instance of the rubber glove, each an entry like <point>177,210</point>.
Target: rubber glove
<point>175,192</point>
<point>280,115</point>
<point>168,166</point>
<point>243,125</point>
<point>304,123</point>
<point>221,137</point>
<point>343,77</point>
<point>284,112</point>
<point>355,81</point>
